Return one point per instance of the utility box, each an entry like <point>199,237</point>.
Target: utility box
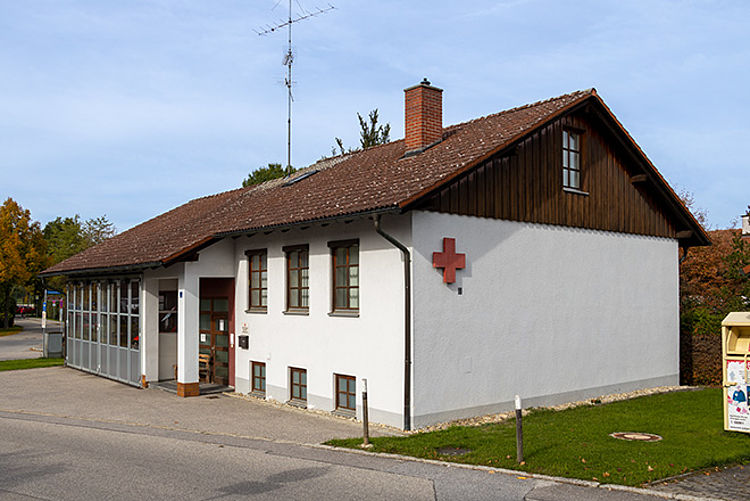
<point>52,345</point>
<point>735,350</point>
<point>244,342</point>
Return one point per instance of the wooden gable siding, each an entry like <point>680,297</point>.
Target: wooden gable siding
<point>525,184</point>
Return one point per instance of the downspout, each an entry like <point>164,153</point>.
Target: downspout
<point>684,254</point>
<point>407,320</point>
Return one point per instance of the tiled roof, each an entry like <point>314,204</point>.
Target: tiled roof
<point>377,178</point>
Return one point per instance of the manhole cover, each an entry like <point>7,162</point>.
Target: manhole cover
<point>452,451</point>
<point>634,436</point>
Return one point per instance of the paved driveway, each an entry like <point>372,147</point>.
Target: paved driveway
<point>61,391</point>
<point>83,437</point>
<point>76,428</point>
<point>28,342</point>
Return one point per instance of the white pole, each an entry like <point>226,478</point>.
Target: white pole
<point>519,430</point>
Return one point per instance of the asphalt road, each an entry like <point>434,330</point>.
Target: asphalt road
<point>28,342</point>
<point>53,457</point>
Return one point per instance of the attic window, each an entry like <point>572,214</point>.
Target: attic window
<point>571,159</point>
<point>300,177</point>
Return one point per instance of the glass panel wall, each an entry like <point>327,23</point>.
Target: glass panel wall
<point>103,328</point>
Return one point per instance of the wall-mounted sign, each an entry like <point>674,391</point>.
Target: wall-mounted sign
<point>448,260</point>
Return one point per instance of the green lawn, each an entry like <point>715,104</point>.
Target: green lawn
<point>29,363</point>
<point>575,442</point>
<point>10,330</point>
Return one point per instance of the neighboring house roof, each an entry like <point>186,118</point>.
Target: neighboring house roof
<point>378,179</point>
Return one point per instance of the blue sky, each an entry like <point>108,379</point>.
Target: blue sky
<point>130,108</point>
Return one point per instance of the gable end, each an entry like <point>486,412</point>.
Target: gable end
<point>524,182</point>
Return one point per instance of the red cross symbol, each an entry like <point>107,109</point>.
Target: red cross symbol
<point>448,260</point>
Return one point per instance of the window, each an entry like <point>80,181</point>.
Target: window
<point>297,278</point>
<point>571,151</point>
<point>346,393</point>
<point>259,377</point>
<point>167,311</point>
<point>299,384</point>
<point>345,255</point>
<point>258,261</point>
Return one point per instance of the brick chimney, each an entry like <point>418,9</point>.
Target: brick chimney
<point>423,116</point>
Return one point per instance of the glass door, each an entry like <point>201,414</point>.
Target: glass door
<point>214,337</point>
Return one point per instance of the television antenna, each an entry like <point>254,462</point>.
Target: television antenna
<point>288,60</point>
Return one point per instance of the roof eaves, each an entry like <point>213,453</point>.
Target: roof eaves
<point>127,268</point>
<point>681,211</point>
<point>190,249</point>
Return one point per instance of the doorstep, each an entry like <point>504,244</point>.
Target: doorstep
<point>204,388</point>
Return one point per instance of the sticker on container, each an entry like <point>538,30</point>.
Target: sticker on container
<point>738,412</point>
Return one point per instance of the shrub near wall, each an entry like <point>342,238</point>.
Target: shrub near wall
<point>700,359</point>
<point>711,286</point>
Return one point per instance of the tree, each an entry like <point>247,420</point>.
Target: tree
<point>700,214</point>
<point>370,133</point>
<point>68,236</point>
<point>23,251</point>
<point>64,238</point>
<point>98,229</point>
<point>263,174</point>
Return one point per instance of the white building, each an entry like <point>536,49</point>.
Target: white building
<point>531,252</point>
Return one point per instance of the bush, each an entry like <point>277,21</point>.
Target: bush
<point>701,321</point>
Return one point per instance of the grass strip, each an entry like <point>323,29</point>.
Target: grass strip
<point>575,443</point>
<point>11,330</point>
<point>29,363</point>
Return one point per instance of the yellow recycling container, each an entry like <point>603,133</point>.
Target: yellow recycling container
<point>735,350</point>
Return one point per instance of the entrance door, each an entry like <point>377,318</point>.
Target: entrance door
<point>214,337</point>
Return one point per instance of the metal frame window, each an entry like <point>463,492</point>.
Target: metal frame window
<point>346,393</point>
<point>258,279</point>
<point>298,384</point>
<point>258,377</point>
<point>103,328</point>
<point>571,158</point>
<point>297,278</point>
<point>345,275</point>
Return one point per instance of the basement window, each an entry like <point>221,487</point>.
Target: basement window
<point>259,378</point>
<point>298,386</point>
<point>346,393</point>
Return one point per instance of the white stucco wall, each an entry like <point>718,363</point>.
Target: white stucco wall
<point>548,312</point>
<point>155,363</point>
<point>369,346</point>
<point>216,261</point>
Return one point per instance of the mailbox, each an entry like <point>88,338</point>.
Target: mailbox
<point>735,350</point>
<point>244,341</point>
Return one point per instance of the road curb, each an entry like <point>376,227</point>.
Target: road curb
<point>518,473</point>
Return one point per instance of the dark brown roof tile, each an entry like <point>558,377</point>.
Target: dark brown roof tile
<point>375,178</point>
